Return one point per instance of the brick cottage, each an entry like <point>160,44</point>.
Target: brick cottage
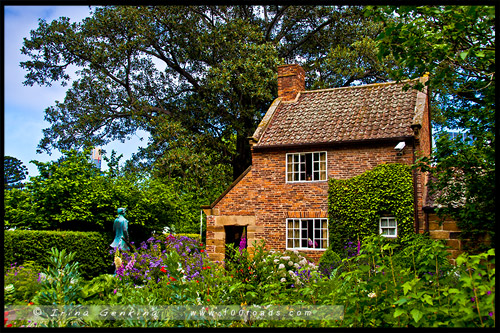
<point>307,137</point>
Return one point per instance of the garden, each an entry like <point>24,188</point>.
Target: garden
<point>169,281</point>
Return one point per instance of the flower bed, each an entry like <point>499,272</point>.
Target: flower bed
<point>380,285</point>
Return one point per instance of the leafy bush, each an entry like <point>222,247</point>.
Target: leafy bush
<point>328,262</point>
<point>24,281</point>
<point>60,286</point>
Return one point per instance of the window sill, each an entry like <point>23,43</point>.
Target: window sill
<point>303,249</point>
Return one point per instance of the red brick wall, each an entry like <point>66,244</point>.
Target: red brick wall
<point>263,192</point>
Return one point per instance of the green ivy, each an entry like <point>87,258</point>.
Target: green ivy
<point>356,204</point>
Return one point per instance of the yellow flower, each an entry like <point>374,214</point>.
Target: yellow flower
<point>118,262</point>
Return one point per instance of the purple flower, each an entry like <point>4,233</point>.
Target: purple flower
<point>472,299</point>
<point>243,243</point>
<point>359,247</point>
<point>490,314</point>
<point>114,291</point>
<point>488,292</point>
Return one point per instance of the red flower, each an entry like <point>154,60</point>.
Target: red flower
<point>10,325</point>
<point>172,278</point>
<point>163,269</point>
<point>202,250</point>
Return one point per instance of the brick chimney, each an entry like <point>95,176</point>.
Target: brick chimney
<point>291,80</point>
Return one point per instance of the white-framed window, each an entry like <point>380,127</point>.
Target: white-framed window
<point>307,233</point>
<point>304,167</point>
<point>388,227</point>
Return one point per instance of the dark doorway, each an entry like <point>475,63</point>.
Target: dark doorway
<point>233,236</point>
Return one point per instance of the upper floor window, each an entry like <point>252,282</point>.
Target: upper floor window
<point>303,167</point>
<point>388,227</point>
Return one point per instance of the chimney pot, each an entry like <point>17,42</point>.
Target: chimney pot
<point>291,80</point>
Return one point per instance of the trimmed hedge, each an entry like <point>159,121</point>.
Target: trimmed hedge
<point>91,248</point>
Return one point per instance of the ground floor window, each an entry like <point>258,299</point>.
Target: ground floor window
<point>307,233</point>
<point>388,227</point>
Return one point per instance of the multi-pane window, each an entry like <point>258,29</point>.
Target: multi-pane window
<point>307,233</point>
<point>388,227</point>
<point>302,167</point>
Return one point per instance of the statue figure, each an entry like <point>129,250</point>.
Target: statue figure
<point>120,227</point>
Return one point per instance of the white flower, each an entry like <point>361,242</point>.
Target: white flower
<point>290,263</point>
<point>276,261</point>
<point>372,294</point>
<point>283,280</point>
<point>281,266</point>
<point>296,265</point>
<point>285,258</point>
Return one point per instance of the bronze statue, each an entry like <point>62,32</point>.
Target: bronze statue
<point>120,227</point>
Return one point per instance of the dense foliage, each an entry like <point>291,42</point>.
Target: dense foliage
<point>356,204</point>
<point>72,194</point>
<point>197,79</point>
<point>384,285</point>
<point>456,45</point>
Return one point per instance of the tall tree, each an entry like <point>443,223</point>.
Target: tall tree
<point>197,78</point>
<point>456,45</point>
<point>14,172</point>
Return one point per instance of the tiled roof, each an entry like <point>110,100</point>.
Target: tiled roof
<point>374,111</point>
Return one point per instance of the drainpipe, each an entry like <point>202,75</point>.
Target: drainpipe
<point>201,225</point>
<point>415,191</point>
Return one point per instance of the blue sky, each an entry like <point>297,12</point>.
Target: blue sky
<point>24,106</point>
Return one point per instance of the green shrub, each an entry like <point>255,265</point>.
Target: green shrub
<point>328,262</point>
<point>91,248</point>
<point>424,256</point>
<point>60,286</point>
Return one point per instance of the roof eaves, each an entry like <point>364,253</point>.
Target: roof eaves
<point>332,143</point>
<point>265,121</point>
